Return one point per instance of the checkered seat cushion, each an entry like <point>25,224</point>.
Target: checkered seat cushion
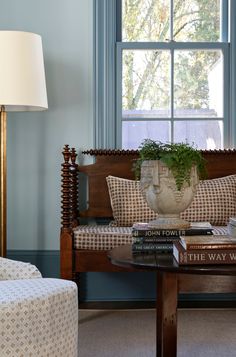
<point>105,237</point>
<point>101,237</point>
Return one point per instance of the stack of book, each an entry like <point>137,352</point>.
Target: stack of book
<point>215,249</point>
<point>146,240</point>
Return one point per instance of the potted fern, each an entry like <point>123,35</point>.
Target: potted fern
<point>169,175</point>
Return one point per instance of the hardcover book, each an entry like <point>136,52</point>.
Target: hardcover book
<point>153,247</point>
<point>144,258</point>
<point>158,239</point>
<point>141,230</point>
<point>209,242</point>
<point>203,256</point>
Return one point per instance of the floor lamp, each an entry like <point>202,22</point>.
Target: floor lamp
<point>22,88</point>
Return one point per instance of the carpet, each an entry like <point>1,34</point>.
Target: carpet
<point>131,333</point>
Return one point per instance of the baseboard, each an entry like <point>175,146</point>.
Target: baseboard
<point>126,305</point>
<point>117,305</point>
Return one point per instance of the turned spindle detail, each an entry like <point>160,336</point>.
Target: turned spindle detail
<point>109,152</point>
<point>65,189</point>
<point>73,190</point>
<point>124,152</point>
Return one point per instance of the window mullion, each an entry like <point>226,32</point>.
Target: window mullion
<point>172,94</point>
<point>138,118</point>
<point>224,25</point>
<point>171,20</point>
<point>172,71</point>
<point>173,45</point>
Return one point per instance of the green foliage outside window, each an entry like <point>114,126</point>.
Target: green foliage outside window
<point>149,20</point>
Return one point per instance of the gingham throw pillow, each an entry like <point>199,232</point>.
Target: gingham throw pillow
<point>127,202</point>
<point>215,201</point>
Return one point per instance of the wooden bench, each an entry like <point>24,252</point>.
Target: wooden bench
<point>119,163</point>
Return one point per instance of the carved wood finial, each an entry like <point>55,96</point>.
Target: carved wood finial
<point>73,155</point>
<point>66,153</point>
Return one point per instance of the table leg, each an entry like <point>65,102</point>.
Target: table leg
<point>167,296</point>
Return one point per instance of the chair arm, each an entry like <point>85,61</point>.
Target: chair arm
<point>14,270</point>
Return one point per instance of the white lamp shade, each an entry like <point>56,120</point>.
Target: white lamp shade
<point>22,75</point>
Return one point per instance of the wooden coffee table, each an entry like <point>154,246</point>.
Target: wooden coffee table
<point>167,289</point>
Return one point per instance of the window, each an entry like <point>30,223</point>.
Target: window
<point>165,69</point>
<point>173,72</point>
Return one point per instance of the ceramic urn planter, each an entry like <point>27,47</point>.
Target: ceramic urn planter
<point>159,189</point>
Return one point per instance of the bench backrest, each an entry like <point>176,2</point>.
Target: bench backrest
<point>117,163</point>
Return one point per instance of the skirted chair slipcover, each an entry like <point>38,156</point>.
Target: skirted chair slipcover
<point>38,316</point>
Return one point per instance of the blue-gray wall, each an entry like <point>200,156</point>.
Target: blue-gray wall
<point>35,140</point>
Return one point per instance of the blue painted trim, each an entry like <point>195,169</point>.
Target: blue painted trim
<point>119,54</point>
<point>118,20</point>
<point>104,72</point>
<point>182,298</point>
<point>224,21</point>
<point>138,286</point>
<point>226,98</point>
<point>47,261</point>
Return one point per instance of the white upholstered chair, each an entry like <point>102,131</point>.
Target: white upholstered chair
<point>38,316</point>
